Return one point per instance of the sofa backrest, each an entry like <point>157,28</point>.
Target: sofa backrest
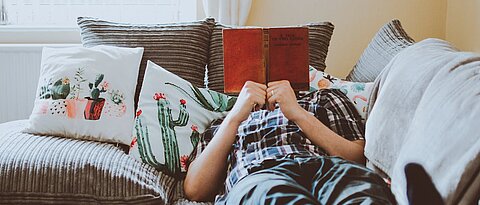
<point>426,111</point>
<point>181,48</point>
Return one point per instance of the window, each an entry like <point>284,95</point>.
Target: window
<point>63,13</point>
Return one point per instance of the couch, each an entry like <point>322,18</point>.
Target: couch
<point>51,169</point>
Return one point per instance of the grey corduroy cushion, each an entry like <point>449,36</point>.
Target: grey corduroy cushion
<point>181,48</point>
<point>52,170</point>
<point>388,41</point>
<point>319,40</point>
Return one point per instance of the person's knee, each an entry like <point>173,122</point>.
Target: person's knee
<point>263,187</point>
<point>341,180</point>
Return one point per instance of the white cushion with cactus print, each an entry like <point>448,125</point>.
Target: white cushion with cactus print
<point>171,114</point>
<point>357,92</point>
<point>86,93</point>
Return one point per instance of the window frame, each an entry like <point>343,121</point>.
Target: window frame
<point>27,34</point>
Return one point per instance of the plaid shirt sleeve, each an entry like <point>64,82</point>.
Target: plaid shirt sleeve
<point>333,108</point>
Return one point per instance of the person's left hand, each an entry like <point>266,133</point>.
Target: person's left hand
<point>281,92</point>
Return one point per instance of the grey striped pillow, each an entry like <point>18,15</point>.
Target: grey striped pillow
<point>319,40</point>
<point>53,170</point>
<point>388,41</point>
<point>181,48</point>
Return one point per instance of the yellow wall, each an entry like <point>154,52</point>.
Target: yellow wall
<point>463,24</point>
<point>356,21</point>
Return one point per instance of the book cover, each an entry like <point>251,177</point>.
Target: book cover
<point>264,55</point>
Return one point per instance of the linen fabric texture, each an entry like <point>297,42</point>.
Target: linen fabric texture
<point>86,93</point>
<point>424,107</point>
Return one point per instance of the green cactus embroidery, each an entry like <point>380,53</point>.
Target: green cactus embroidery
<point>144,147</point>
<point>95,91</point>
<point>116,96</point>
<point>221,102</point>
<point>167,127</point>
<point>58,90</point>
<point>195,136</point>
<point>61,89</point>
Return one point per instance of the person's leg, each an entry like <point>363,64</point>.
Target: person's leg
<point>338,181</point>
<point>272,184</point>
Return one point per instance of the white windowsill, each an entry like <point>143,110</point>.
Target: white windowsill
<point>11,27</point>
<point>23,34</point>
<point>31,47</point>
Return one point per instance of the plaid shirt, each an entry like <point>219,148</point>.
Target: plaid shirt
<point>269,135</point>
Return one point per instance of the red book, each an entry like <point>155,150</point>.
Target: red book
<point>265,54</point>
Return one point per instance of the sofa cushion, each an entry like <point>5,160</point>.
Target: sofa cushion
<point>181,48</point>
<point>357,92</point>
<point>319,40</point>
<point>171,115</point>
<point>52,170</point>
<point>86,93</point>
<point>388,41</point>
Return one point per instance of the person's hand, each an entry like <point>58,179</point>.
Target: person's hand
<point>252,96</point>
<point>281,92</point>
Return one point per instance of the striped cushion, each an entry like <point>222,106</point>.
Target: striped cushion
<point>388,41</point>
<point>181,48</point>
<point>45,169</point>
<point>319,40</point>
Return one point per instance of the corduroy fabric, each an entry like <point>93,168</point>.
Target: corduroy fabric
<point>388,41</point>
<point>318,38</point>
<point>45,169</point>
<point>181,48</point>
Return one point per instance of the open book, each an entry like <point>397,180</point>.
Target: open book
<point>265,54</point>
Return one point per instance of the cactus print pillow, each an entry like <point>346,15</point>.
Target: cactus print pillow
<point>86,93</point>
<point>357,92</point>
<point>171,114</point>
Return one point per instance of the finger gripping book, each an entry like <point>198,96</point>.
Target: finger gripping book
<point>265,54</point>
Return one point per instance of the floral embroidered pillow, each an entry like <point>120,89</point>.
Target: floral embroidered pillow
<point>86,93</point>
<point>357,92</point>
<point>171,114</point>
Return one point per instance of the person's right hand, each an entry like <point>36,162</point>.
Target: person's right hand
<point>252,96</point>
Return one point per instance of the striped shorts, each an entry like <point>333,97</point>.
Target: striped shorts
<point>312,180</point>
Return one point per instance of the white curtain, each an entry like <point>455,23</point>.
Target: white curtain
<point>3,13</point>
<point>230,12</point>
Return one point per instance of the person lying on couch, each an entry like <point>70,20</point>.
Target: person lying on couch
<point>296,152</point>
